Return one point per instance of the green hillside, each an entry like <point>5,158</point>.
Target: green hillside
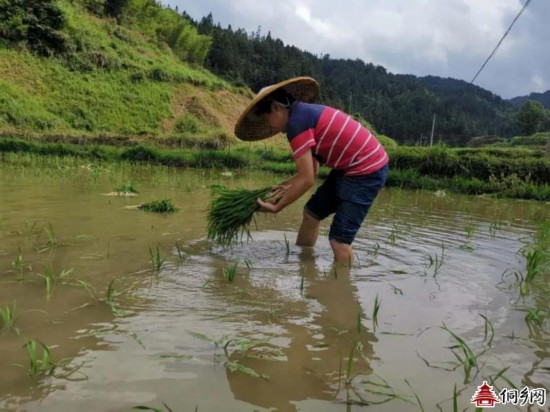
<point>107,79</point>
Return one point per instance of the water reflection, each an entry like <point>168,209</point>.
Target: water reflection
<point>316,360</point>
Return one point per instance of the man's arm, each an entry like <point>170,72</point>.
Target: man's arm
<point>306,171</point>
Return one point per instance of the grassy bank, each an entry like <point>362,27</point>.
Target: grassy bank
<point>112,80</point>
<point>497,172</point>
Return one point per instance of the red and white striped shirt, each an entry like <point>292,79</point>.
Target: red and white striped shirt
<point>335,138</point>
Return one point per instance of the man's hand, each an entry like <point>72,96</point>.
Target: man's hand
<point>287,192</point>
<point>267,207</point>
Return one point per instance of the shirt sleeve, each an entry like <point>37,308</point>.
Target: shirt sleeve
<point>301,135</point>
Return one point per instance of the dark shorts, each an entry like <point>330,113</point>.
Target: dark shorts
<point>350,197</point>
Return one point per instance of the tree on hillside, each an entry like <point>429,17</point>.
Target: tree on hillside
<point>38,23</point>
<point>115,8</point>
<point>530,117</point>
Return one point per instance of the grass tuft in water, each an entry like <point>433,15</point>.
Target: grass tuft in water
<point>159,206</point>
<point>127,187</point>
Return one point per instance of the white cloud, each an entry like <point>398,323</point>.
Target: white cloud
<point>450,38</point>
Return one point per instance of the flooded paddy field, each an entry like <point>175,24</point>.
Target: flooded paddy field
<point>107,308</point>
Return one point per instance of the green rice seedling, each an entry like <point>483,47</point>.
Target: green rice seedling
<point>415,395</point>
<point>470,230</point>
<point>349,369</point>
<point>235,366</point>
<point>455,399</point>
<point>149,408</point>
<point>110,299</point>
<point>230,271</point>
<point>181,253</point>
<point>17,265</point>
<point>49,280</point>
<point>159,206</point>
<point>29,228</point>
<point>375,311</point>
<point>45,365</point>
<point>396,290</point>
<point>489,331</point>
<point>155,259</point>
<point>501,375</point>
<point>230,213</point>
<point>287,244</point>
<point>127,187</point>
<point>359,318</point>
<point>244,345</point>
<point>375,249</point>
<point>52,237</point>
<point>302,281</point>
<point>536,316</point>
<point>248,264</point>
<point>393,235</point>
<point>436,261</point>
<point>537,254</point>
<point>537,262</point>
<point>37,365</point>
<point>7,317</point>
<point>469,360</point>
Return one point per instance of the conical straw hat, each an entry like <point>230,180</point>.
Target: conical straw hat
<point>250,127</point>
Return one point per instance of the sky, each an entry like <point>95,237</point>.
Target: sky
<point>450,38</point>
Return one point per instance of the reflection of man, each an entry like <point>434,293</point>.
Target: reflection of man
<point>316,364</point>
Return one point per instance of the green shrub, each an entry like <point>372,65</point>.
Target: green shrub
<point>188,124</point>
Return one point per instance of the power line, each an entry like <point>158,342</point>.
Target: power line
<point>499,43</point>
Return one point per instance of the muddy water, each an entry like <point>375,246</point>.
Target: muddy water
<point>280,337</point>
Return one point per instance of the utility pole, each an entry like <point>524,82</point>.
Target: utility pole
<point>432,135</point>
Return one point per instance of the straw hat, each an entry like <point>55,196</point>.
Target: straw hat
<point>250,127</point>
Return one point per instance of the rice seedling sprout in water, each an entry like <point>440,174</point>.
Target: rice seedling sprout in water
<point>469,360</point>
<point>149,408</point>
<point>7,317</point>
<point>230,213</point>
<point>287,244</point>
<point>359,318</point>
<point>155,259</point>
<point>52,238</point>
<point>375,311</point>
<point>470,230</point>
<point>181,254</point>
<point>230,271</point>
<point>110,299</point>
<point>45,365</point>
<point>49,280</point>
<point>436,261</point>
<point>17,265</point>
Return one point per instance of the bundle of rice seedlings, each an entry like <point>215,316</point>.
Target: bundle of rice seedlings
<point>231,211</point>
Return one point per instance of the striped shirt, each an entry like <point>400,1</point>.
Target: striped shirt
<point>335,138</point>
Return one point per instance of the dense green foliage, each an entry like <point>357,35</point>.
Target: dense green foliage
<point>543,98</point>
<point>400,106</point>
<point>511,172</point>
<point>98,77</point>
<point>115,67</point>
